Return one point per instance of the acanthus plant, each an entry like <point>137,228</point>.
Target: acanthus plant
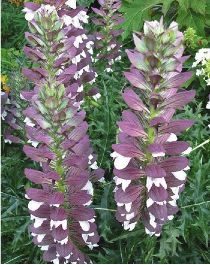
<point>11,110</point>
<point>150,166</point>
<point>63,221</point>
<point>107,37</point>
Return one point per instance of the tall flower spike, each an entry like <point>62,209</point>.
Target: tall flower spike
<point>149,173</point>
<point>63,221</point>
<point>107,38</point>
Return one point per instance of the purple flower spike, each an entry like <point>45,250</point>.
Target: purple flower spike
<point>55,127</point>
<point>107,43</point>
<point>149,173</point>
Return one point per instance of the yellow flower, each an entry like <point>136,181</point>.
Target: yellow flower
<point>16,2</point>
<point>4,80</point>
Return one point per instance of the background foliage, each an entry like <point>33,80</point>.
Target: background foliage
<point>185,239</point>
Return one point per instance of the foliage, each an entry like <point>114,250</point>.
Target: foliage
<point>188,13</point>
<point>13,25</point>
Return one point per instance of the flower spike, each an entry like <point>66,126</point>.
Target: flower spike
<point>107,37</point>
<point>149,171</point>
<point>63,222</point>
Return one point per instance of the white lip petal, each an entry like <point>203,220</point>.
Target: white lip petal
<point>181,175</point>
<point>57,223</point>
<point>121,162</point>
<point>128,206</point>
<point>149,202</point>
<point>44,247</point>
<point>170,217</point>
<point>72,4</point>
<point>186,168</point>
<point>63,241</point>
<point>129,216</point>
<point>40,237</point>
<point>33,205</point>
<point>188,151</point>
<point>172,203</point>
<point>85,225</point>
<point>172,138</point>
<point>158,154</point>
<point>149,232</point>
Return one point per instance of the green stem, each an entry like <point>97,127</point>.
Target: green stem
<point>200,145</point>
<point>196,204</point>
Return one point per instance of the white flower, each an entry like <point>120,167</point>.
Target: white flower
<point>108,70</point>
<point>37,221</point>
<point>170,217</point>
<point>128,206</point>
<point>88,187</point>
<point>29,16</point>
<point>157,182</point>
<point>158,154</point>
<point>33,205</point>
<point>152,220</point>
<point>80,89</point>
<point>67,20</point>
<point>40,237</point>
<point>77,41</point>
<point>181,175</point>
<point>63,223</point>
<point>44,247</point>
<point>128,226</point>
<point>172,203</point>
<point>7,141</point>
<point>63,241</point>
<point>3,115</point>
<point>148,232</point>
<point>56,261</point>
<point>94,165</point>
<point>129,216</point>
<point>200,72</point>
<point>97,96</point>
<point>187,151</point>
<point>29,122</point>
<point>72,4</point>
<point>124,182</point>
<point>33,143</point>
<point>172,138</point>
<point>120,161</point>
<point>208,105</point>
<point>82,15</point>
<point>85,225</point>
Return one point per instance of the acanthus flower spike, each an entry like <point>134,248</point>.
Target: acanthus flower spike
<point>149,173</point>
<point>63,222</point>
<point>107,37</point>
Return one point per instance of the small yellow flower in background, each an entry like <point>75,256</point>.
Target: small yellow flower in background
<point>21,2</point>
<point>4,80</point>
<point>17,2</point>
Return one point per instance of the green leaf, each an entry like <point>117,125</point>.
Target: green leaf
<point>166,6</point>
<point>198,6</point>
<point>136,13</point>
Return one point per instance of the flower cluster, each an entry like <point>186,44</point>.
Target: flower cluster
<point>63,222</point>
<point>107,38</point>
<point>202,63</point>
<point>74,19</point>
<point>149,173</point>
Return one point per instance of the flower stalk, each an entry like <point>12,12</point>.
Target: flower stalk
<point>63,222</point>
<point>149,171</point>
<point>107,37</point>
